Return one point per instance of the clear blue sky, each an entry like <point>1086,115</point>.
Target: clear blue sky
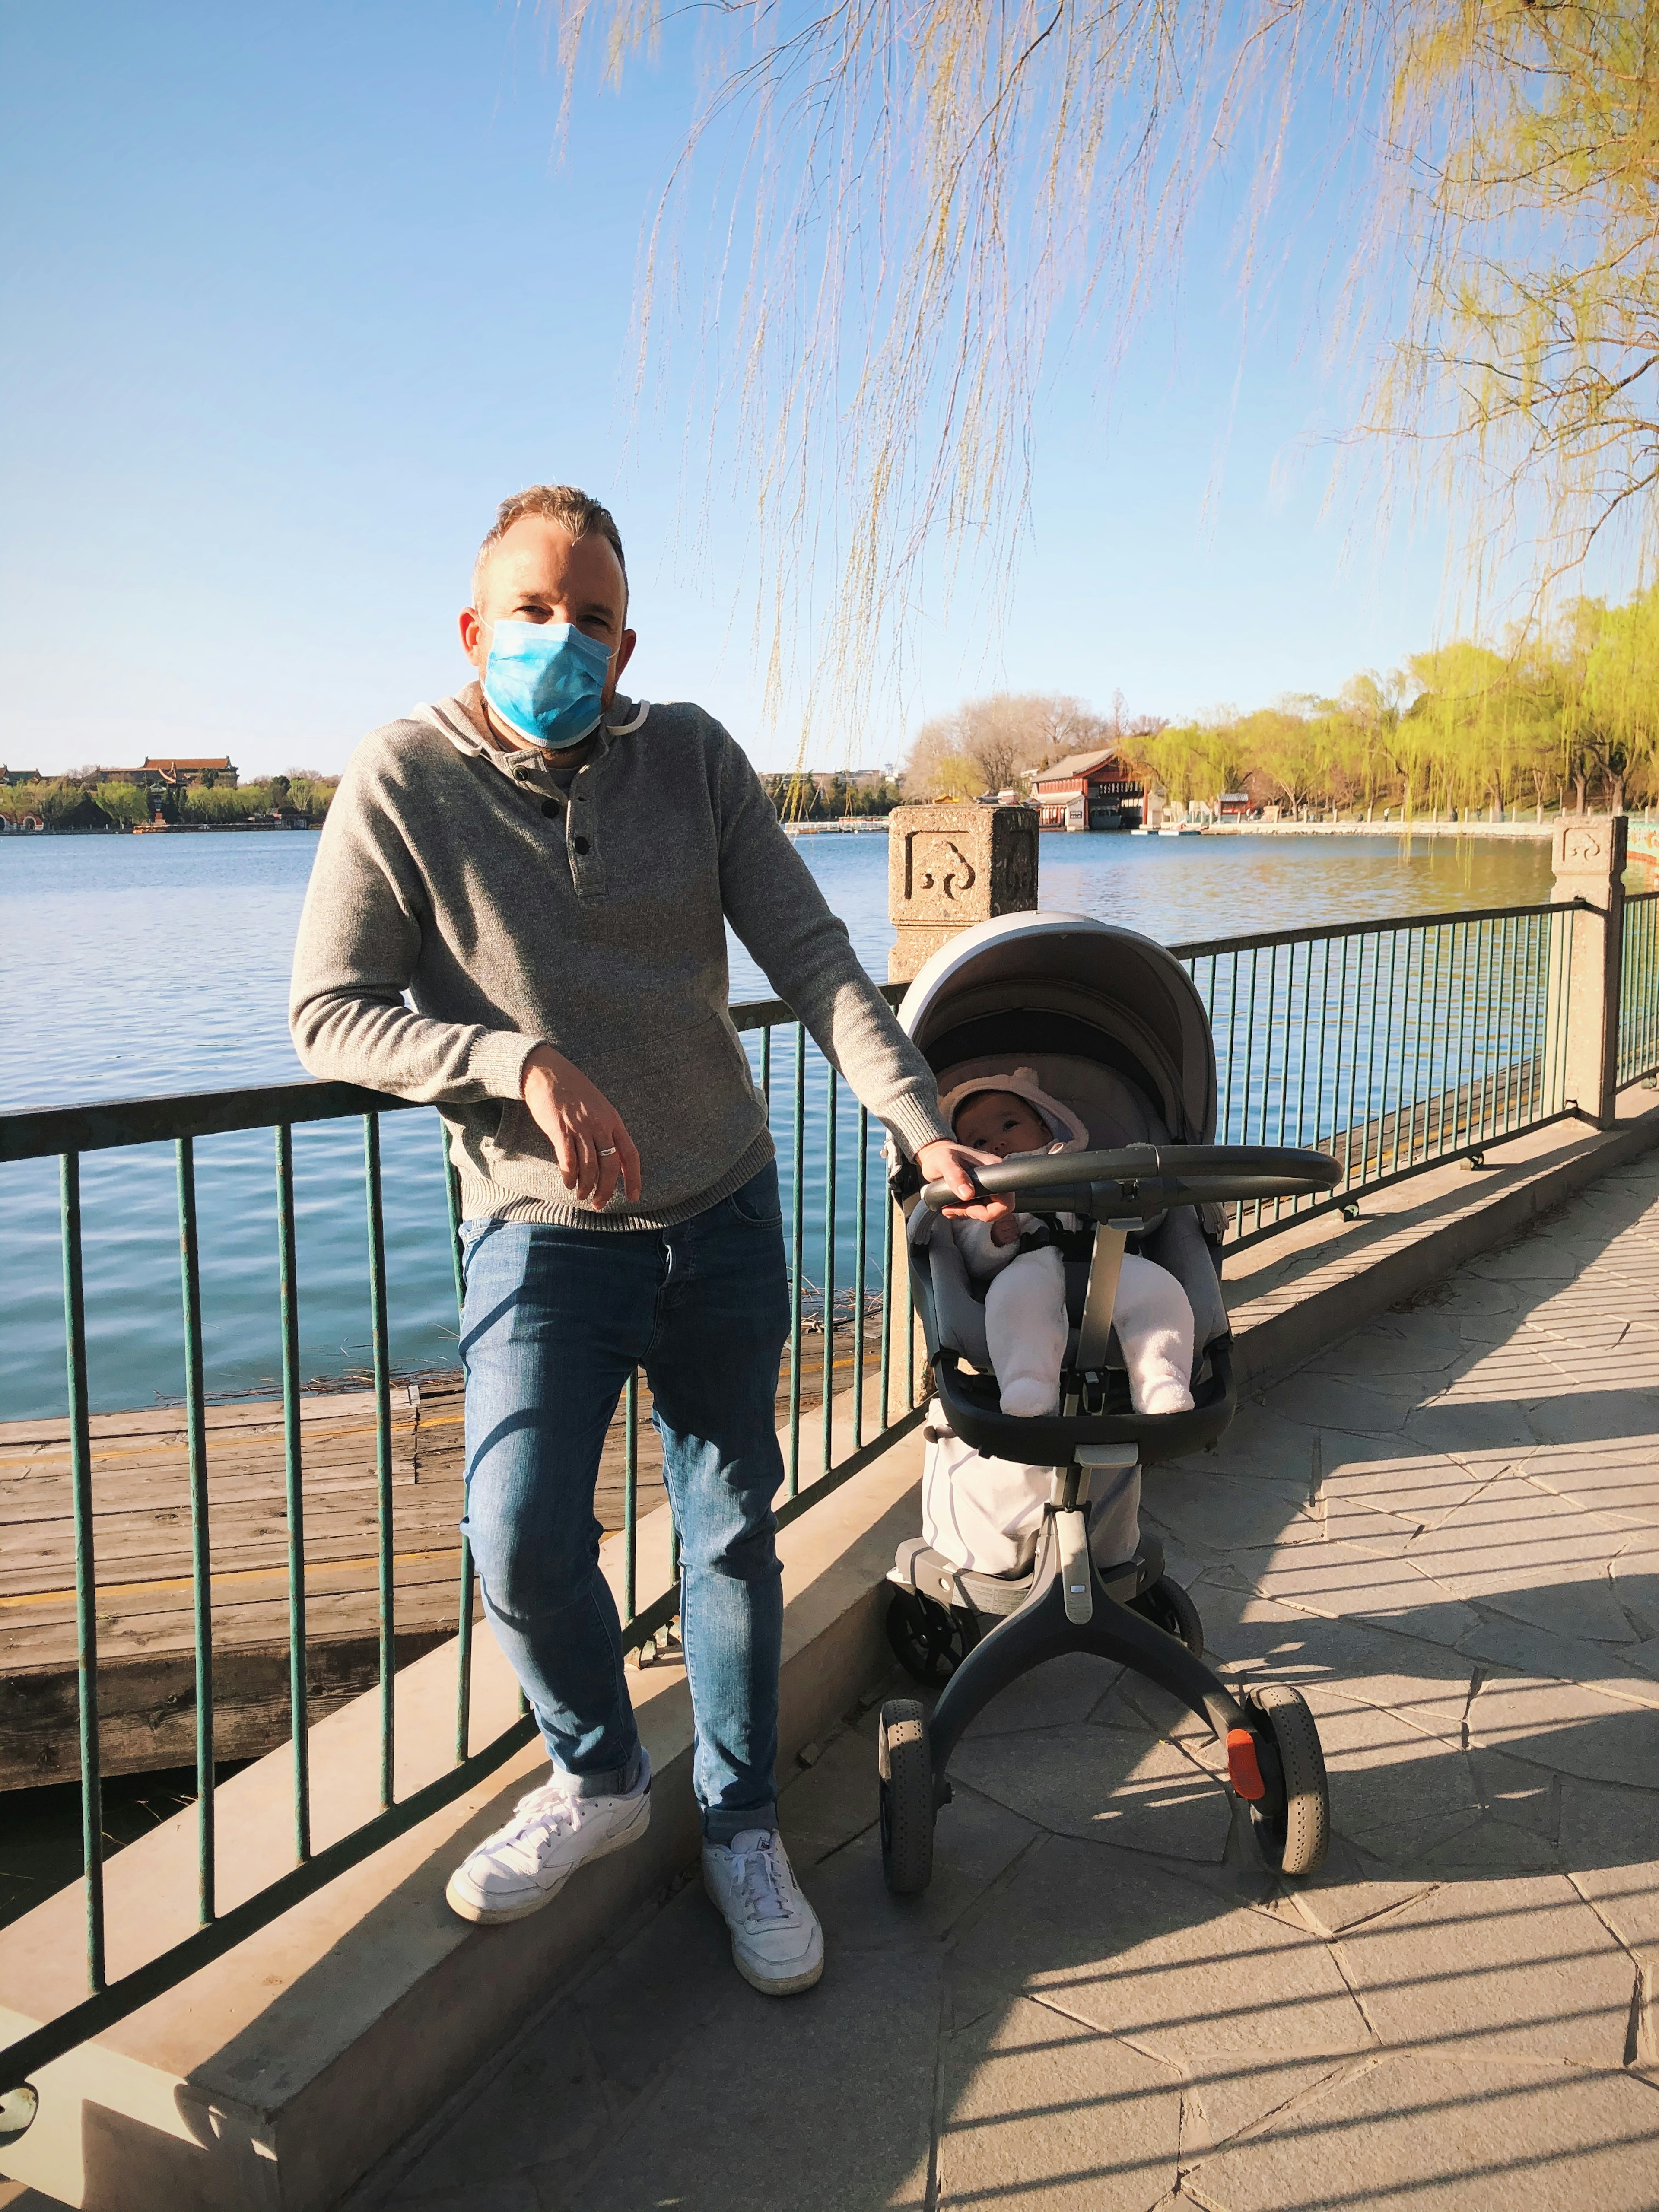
<point>292,295</point>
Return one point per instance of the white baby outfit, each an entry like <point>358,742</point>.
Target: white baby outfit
<point>1025,1320</point>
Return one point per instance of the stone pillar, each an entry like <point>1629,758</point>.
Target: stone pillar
<point>951,866</point>
<point>1589,858</point>
<point>948,867</point>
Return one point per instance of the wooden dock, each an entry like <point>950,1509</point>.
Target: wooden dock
<point>142,1541</point>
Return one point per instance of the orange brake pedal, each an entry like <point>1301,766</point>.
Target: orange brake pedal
<point>1242,1769</point>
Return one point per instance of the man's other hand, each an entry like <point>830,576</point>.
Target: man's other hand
<point>592,1148</point>
<point>944,1162</point>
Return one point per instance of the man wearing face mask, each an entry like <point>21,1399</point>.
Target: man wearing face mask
<point>518,911</point>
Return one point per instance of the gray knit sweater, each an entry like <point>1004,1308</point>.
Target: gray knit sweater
<point>465,908</point>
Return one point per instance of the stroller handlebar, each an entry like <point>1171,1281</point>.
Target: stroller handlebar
<point>1145,1179</point>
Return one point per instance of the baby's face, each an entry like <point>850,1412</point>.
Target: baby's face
<point>1001,1123</point>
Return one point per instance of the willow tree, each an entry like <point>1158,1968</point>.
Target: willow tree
<point>1197,760</point>
<point>917,200</point>
<point>1615,709</point>
<point>1524,144</point>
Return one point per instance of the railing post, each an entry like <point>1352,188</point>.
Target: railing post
<point>1588,859</point>
<point>949,867</point>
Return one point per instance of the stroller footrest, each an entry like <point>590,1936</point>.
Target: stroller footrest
<point>920,1568</point>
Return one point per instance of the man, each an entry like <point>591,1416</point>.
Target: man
<point>518,912</point>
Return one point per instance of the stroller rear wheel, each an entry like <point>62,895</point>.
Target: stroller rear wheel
<point>1168,1607</point>
<point>906,1767</point>
<point>929,1641</point>
<point>1292,1820</point>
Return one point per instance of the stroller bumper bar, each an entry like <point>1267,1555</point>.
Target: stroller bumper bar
<point>1139,1182</point>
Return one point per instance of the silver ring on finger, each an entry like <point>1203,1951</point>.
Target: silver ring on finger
<point>607,1152</point>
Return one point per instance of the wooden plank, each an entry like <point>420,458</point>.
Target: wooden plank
<point>255,1613</point>
<point>151,1421</point>
<point>160,1489</point>
<point>347,1446</point>
<point>40,1553</point>
<point>148,1718</point>
<point>353,1569</point>
<point>142,1545</point>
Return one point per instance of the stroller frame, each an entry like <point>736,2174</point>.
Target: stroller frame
<point>1073,1607</point>
<point>1125,1611</point>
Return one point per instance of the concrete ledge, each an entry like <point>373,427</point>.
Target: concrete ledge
<point>1293,1295</point>
<point>278,2075</point>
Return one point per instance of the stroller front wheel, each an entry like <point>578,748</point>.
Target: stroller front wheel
<point>1168,1607</point>
<point>929,1641</point>
<point>1292,1820</point>
<point>906,1768</point>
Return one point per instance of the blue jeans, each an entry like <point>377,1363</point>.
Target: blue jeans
<point>556,1320</point>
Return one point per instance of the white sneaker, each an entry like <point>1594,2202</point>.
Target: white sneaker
<point>525,1865</point>
<point>776,1941</point>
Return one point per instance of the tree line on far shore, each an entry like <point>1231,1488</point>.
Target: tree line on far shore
<point>1564,716</point>
<point>832,794</point>
<point>52,798</point>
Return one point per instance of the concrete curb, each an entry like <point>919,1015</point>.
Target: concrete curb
<point>278,2076</point>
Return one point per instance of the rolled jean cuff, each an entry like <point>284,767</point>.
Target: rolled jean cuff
<point>721,1822</point>
<point>615,1782</point>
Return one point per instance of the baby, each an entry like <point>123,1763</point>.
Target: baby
<point>1026,1322</point>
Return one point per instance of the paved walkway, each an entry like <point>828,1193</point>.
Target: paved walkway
<point>1447,1531</point>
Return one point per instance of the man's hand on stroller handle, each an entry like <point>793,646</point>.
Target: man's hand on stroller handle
<point>955,1164</point>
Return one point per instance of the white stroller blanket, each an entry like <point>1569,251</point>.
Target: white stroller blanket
<point>986,1514</point>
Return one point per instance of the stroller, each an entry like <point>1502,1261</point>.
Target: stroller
<point>1110,1024</point>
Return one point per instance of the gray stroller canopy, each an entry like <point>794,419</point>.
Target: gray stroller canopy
<point>1041,985</point>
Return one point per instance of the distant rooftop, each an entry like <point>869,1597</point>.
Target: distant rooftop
<point>1077,764</point>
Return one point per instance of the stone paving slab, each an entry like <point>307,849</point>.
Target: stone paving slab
<point>1446,1530</point>
<point>1106,1785</point>
<point>1419,2133</point>
<point>1043,2112</point>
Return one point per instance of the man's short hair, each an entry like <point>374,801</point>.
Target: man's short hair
<point>571,509</point>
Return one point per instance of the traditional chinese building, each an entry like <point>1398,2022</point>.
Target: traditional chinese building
<point>176,775</point>
<point>1089,791</point>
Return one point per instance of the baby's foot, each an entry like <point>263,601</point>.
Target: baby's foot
<point>1167,1395</point>
<point>1028,1397</point>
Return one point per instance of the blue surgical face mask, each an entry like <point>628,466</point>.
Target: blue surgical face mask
<point>546,679</point>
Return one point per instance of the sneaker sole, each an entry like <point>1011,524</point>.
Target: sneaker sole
<point>486,1916</point>
<point>769,1985</point>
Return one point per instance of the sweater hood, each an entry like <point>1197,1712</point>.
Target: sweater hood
<point>1066,1127</point>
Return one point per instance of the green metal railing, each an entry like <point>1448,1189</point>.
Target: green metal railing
<point>1395,1046</point>
<point>1398,1045</point>
<point>810,1474</point>
<point>1639,991</point>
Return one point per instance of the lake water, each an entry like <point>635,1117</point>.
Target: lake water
<point>159,964</point>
